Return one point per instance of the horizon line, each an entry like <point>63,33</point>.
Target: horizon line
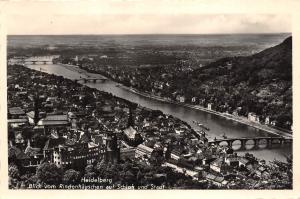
<point>129,34</point>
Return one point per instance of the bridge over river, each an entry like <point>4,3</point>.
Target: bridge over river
<point>37,62</point>
<point>93,80</point>
<point>256,143</point>
<point>46,60</point>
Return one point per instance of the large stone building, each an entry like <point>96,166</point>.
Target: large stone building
<point>61,152</point>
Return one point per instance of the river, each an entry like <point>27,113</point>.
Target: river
<point>217,125</point>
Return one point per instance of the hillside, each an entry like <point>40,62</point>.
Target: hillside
<point>260,83</point>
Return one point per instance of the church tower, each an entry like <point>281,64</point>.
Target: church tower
<point>36,109</point>
<point>112,152</point>
<point>130,135</point>
<point>131,117</point>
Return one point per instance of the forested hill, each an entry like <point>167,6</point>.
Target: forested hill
<point>260,83</point>
<point>276,61</point>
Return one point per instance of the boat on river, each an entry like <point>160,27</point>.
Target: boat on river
<point>201,125</point>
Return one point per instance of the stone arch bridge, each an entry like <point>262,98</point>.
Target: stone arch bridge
<point>93,80</point>
<point>33,62</point>
<point>255,143</point>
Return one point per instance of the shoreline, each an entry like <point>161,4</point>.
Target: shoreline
<point>195,107</point>
<point>229,117</point>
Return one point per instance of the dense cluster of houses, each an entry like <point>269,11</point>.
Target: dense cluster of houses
<point>56,120</point>
<point>160,86</point>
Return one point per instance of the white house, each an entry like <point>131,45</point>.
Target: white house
<point>194,99</point>
<point>267,120</point>
<point>253,117</point>
<point>209,106</point>
<point>180,98</point>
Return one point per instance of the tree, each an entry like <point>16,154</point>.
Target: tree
<point>89,171</point>
<point>71,176</point>
<point>49,173</point>
<point>89,168</point>
<point>157,157</point>
<point>13,171</point>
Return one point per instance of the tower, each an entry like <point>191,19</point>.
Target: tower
<point>36,109</point>
<point>132,108</point>
<point>112,152</point>
<point>130,135</point>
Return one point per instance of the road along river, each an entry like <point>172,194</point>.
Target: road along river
<point>218,125</point>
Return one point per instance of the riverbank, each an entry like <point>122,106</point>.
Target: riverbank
<point>241,120</point>
<point>218,125</point>
<point>226,116</point>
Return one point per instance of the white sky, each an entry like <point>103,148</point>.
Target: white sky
<point>78,17</point>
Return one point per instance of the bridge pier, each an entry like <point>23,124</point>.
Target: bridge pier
<point>280,142</point>
<point>269,143</point>
<point>229,143</point>
<point>243,144</point>
<point>256,144</point>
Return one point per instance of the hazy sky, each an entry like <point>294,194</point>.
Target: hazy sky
<point>88,19</point>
